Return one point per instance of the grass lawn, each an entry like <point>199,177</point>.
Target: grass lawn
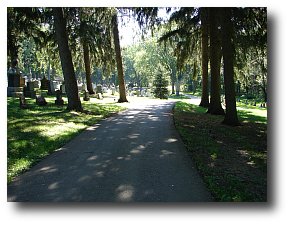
<point>36,132</point>
<point>231,160</point>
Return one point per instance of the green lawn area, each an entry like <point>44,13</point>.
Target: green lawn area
<point>231,160</point>
<point>36,132</point>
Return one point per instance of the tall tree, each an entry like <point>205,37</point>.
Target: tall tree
<point>215,106</point>
<point>74,102</point>
<point>122,88</point>
<point>87,62</point>
<point>204,45</point>
<point>231,117</point>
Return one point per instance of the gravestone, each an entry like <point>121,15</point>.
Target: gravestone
<point>40,100</point>
<point>99,89</point>
<point>22,102</point>
<point>59,100</point>
<point>15,81</point>
<point>62,88</point>
<point>84,87</point>
<point>36,84</point>
<point>113,90</point>
<point>29,90</point>
<point>99,96</point>
<point>86,96</point>
<point>45,84</point>
<point>51,89</point>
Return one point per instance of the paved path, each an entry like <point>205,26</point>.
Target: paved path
<point>135,156</point>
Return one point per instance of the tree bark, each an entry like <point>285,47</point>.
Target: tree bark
<point>215,106</point>
<point>122,88</point>
<point>71,88</point>
<point>231,117</point>
<point>204,45</point>
<point>87,62</point>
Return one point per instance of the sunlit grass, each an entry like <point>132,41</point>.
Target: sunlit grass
<point>36,132</point>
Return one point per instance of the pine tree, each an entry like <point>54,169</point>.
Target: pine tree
<point>160,86</point>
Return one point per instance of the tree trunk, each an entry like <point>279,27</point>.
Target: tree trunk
<point>204,45</point>
<point>87,62</point>
<point>215,106</point>
<point>172,88</point>
<point>231,117</point>
<point>194,78</point>
<point>71,87</point>
<point>122,89</point>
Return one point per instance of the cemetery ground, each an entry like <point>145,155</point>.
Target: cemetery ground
<point>231,160</point>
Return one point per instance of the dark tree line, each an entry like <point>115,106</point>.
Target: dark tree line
<point>91,32</point>
<point>228,40</point>
<point>227,35</point>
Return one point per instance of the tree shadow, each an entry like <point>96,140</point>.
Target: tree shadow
<point>136,156</point>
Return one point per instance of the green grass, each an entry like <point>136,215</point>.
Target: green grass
<point>180,96</point>
<point>231,160</point>
<point>36,132</point>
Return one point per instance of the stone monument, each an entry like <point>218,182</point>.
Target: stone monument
<point>29,89</point>
<point>59,100</point>
<point>15,81</point>
<point>86,96</point>
<point>40,100</point>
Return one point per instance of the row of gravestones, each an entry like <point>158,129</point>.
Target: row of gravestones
<point>40,100</point>
<point>16,86</point>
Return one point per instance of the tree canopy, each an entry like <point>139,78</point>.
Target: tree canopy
<point>186,46</point>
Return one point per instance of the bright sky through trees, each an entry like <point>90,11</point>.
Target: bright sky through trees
<point>130,31</point>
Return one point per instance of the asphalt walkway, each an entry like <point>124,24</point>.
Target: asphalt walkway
<point>135,156</point>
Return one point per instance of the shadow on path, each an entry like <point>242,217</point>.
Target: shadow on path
<point>136,156</point>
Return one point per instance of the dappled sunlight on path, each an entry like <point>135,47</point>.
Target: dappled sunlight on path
<point>134,156</point>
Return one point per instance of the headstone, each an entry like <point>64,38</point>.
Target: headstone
<point>104,90</point>
<point>62,88</point>
<point>51,89</point>
<point>15,81</point>
<point>99,89</point>
<point>143,92</point>
<point>113,90</point>
<point>22,102</point>
<point>40,100</point>
<point>56,85</point>
<point>45,84</point>
<point>59,100</point>
<point>99,96</point>
<point>36,84</point>
<point>86,96</point>
<point>84,87</point>
<point>29,90</point>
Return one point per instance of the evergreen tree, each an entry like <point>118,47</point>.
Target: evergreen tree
<point>74,102</point>
<point>122,88</point>
<point>160,86</point>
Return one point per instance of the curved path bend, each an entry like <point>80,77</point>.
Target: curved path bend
<point>135,156</point>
